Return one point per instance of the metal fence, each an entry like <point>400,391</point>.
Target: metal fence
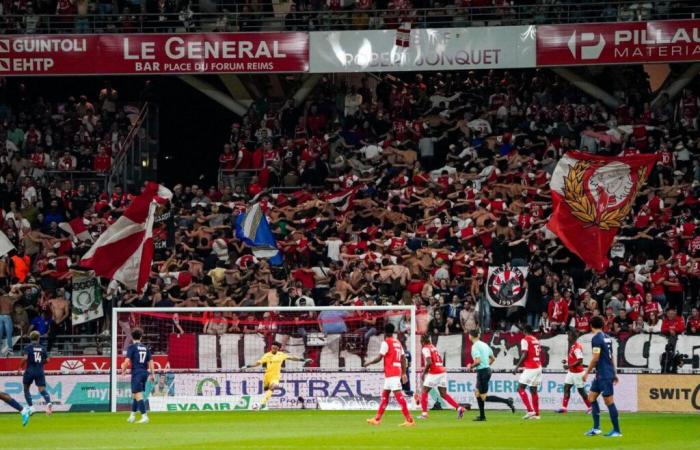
<point>286,17</point>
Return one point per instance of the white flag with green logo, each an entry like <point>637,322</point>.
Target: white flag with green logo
<point>87,298</point>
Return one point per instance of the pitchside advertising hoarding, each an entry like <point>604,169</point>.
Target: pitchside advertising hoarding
<point>427,49</point>
<point>134,54</point>
<point>618,43</point>
<point>338,391</point>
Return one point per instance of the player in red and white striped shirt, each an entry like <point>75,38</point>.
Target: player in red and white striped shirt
<point>434,376</point>
<point>395,364</point>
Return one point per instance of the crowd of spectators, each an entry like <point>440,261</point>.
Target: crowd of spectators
<point>398,191</point>
<point>89,16</point>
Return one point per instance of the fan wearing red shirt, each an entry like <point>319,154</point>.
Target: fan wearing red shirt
<point>391,351</point>
<point>673,324</point>
<point>694,322</point>
<point>102,162</point>
<point>558,312</point>
<point>531,376</point>
<point>650,306</point>
<point>227,160</point>
<point>434,376</point>
<point>574,375</point>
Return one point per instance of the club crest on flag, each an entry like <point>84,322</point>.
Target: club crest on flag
<point>505,286</point>
<point>591,198</point>
<point>602,194</point>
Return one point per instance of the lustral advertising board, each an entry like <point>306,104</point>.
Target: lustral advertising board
<point>135,54</point>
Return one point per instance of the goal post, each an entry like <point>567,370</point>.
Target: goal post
<point>200,354</point>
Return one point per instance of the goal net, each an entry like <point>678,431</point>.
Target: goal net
<point>200,355</point>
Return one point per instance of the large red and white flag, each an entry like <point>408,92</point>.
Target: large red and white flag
<point>76,228</point>
<point>591,198</point>
<point>342,200</point>
<point>124,252</point>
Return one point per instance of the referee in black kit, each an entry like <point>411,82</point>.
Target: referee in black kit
<point>482,358</point>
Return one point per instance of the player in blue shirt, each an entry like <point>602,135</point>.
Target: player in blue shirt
<point>13,403</point>
<point>605,377</point>
<point>33,361</point>
<point>138,356</point>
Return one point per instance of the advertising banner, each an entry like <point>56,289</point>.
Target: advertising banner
<point>68,392</point>
<point>618,43</point>
<point>199,403</point>
<point>77,364</point>
<point>294,388</point>
<point>426,49</point>
<point>461,387</point>
<point>668,393</point>
<point>133,54</point>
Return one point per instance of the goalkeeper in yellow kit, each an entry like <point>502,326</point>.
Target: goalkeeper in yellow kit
<point>273,361</point>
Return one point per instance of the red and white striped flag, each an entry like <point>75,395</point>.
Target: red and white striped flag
<point>76,228</point>
<point>403,35</point>
<point>342,200</point>
<point>124,252</point>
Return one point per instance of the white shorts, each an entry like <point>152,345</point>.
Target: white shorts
<point>392,384</point>
<point>575,378</point>
<point>433,380</point>
<point>531,377</point>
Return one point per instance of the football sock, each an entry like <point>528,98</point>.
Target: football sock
<point>134,406</point>
<point>142,406</point>
<point>13,403</point>
<point>614,417</point>
<point>424,402</point>
<point>496,399</point>
<point>382,405</point>
<point>45,395</point>
<point>584,396</point>
<point>536,402</point>
<point>448,398</point>
<point>404,406</point>
<point>481,406</point>
<point>565,402</point>
<point>596,414</point>
<point>266,397</point>
<point>27,396</point>
<point>526,401</point>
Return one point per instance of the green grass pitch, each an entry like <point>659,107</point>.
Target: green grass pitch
<point>339,430</point>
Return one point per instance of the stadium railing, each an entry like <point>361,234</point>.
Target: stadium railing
<point>238,18</point>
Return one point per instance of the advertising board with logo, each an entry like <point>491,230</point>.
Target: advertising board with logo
<point>200,403</point>
<point>295,389</point>
<point>618,43</point>
<point>426,49</point>
<point>132,54</point>
<point>669,393</point>
<point>461,387</point>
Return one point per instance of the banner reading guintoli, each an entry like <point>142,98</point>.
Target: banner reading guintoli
<point>669,393</point>
<point>428,49</point>
<point>134,54</point>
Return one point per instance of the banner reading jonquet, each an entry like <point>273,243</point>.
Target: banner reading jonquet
<point>133,54</point>
<point>428,49</point>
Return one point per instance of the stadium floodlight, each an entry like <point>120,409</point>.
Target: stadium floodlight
<point>201,354</point>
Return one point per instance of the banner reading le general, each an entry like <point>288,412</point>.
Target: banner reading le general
<point>427,49</point>
<point>134,54</point>
<point>618,43</point>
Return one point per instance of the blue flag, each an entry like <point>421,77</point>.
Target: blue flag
<point>252,228</point>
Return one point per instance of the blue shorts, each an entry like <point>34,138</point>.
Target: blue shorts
<point>602,386</point>
<point>30,377</point>
<point>138,382</point>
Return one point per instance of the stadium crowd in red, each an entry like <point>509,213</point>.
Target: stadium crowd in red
<point>403,190</point>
